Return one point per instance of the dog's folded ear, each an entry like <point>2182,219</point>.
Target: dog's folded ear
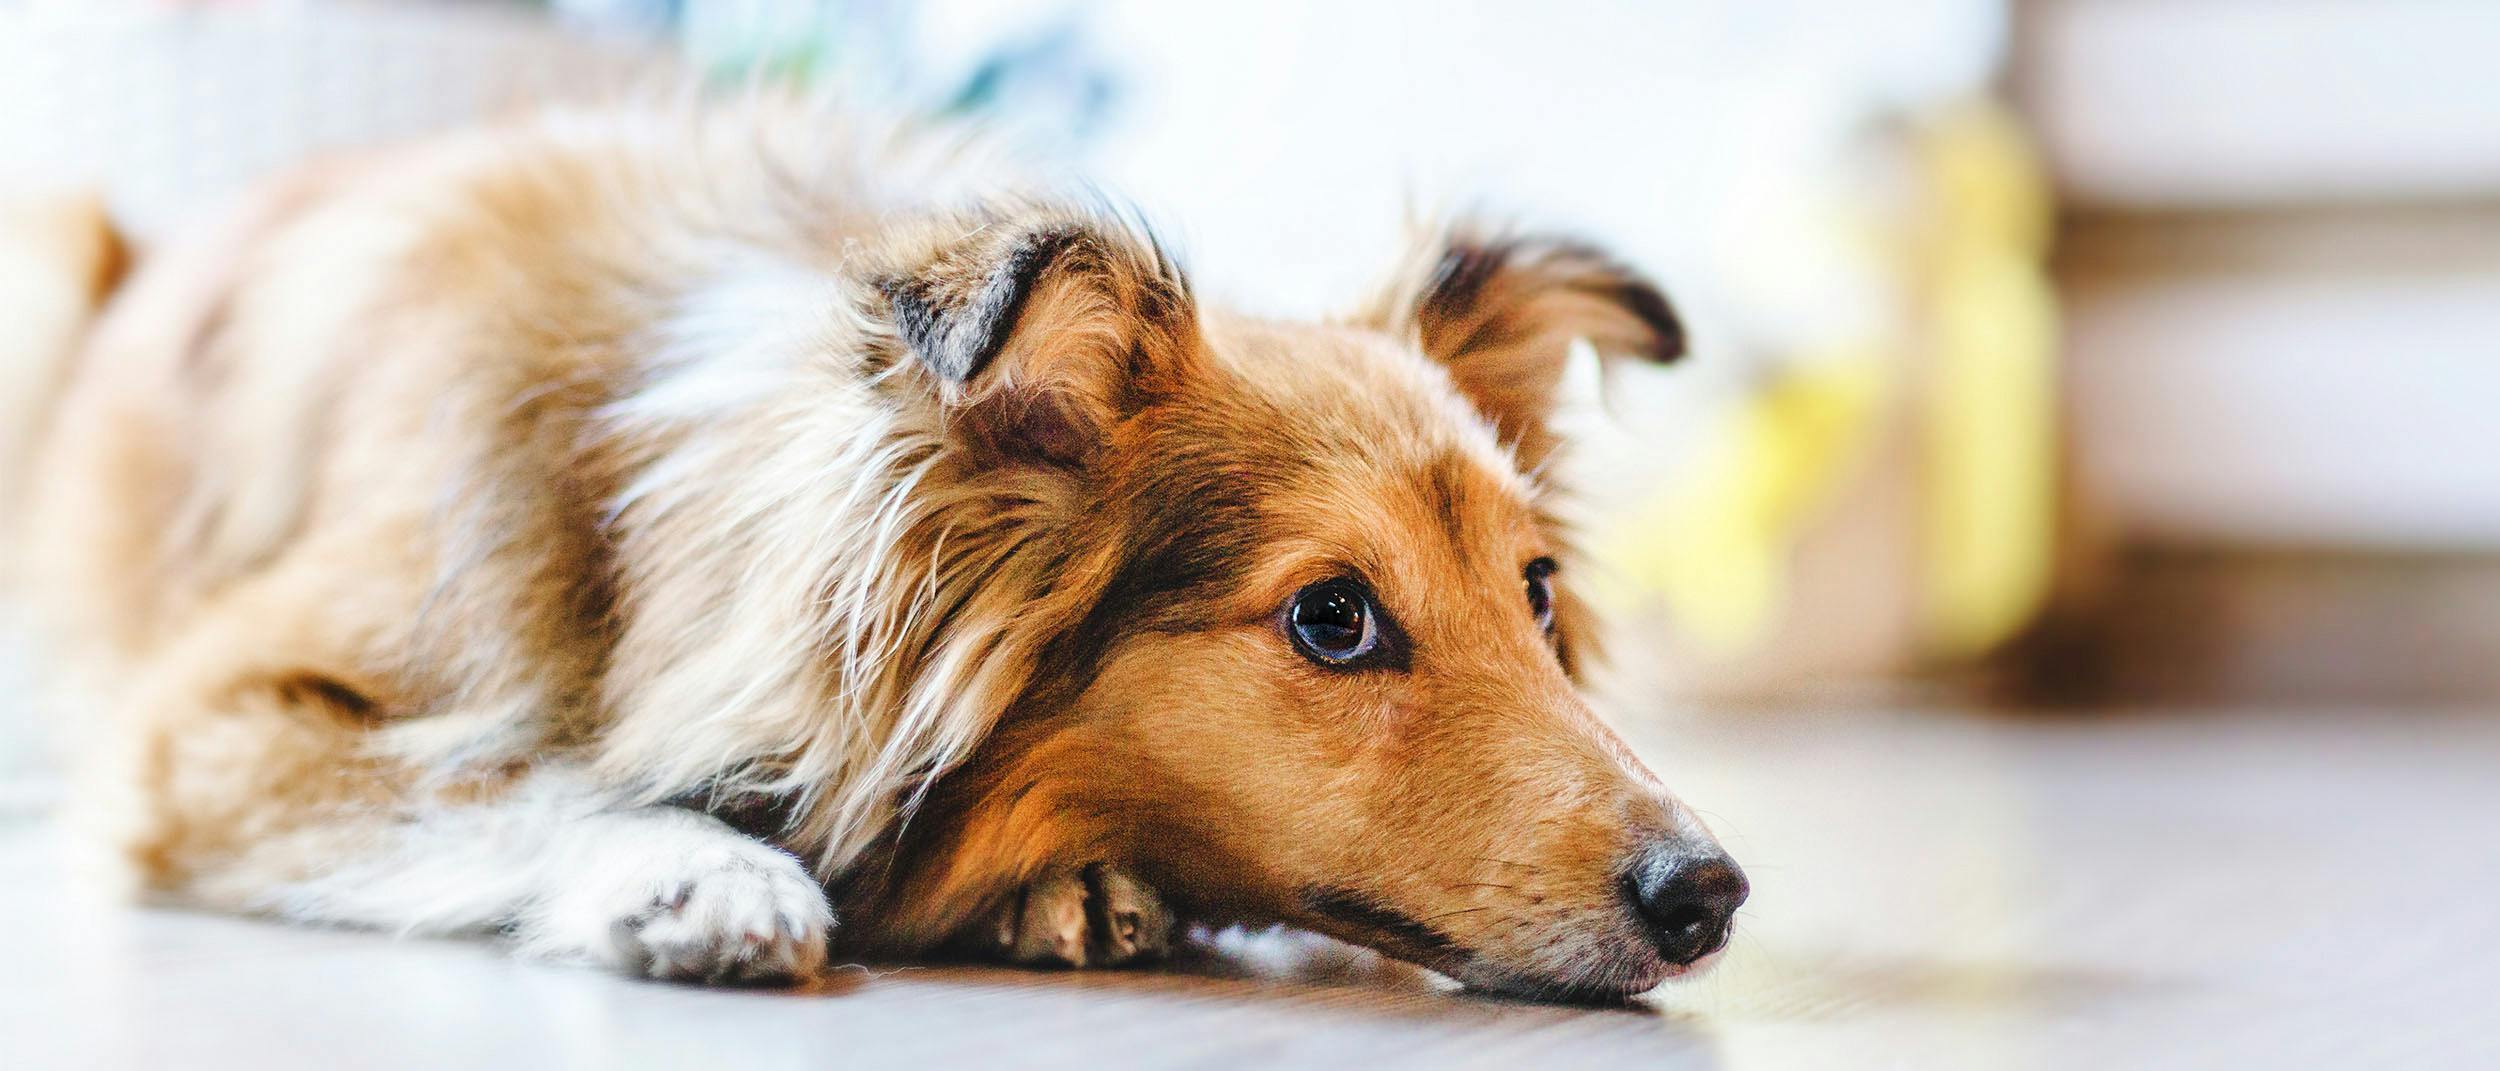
<point>1500,312</point>
<point>1040,328</point>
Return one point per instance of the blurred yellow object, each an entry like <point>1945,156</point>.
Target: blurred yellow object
<point>1717,550</point>
<point>1966,373</point>
<point>1989,434</point>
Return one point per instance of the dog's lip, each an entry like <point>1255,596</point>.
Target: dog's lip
<point>1632,976</point>
<point>1585,990</point>
<point>1358,919</point>
<point>1352,916</point>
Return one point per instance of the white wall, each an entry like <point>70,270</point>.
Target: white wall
<point>1285,145</point>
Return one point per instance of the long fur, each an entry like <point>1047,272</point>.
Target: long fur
<point>59,259</point>
<point>654,521</point>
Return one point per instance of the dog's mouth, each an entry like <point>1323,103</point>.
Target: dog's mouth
<point>1607,980</point>
<point>1595,970</point>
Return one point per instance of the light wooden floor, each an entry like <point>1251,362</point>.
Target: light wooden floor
<point>1934,889</point>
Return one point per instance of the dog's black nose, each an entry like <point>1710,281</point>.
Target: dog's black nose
<point>1686,898</point>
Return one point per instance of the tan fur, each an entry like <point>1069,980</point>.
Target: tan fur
<point>601,451</point>
<point>59,258</point>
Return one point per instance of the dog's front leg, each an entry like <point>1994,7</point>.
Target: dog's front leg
<point>656,890</point>
<point>1097,915</point>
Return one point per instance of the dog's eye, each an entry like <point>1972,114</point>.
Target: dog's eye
<point>1334,622</point>
<point>1540,575</point>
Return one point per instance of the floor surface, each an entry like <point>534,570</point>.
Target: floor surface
<point>2225,888</point>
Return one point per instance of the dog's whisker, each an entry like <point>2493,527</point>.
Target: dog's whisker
<point>1506,862</point>
<point>1456,913</point>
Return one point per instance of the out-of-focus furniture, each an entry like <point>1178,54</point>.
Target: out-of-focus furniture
<point>2279,261</point>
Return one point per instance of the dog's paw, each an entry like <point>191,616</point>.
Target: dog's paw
<point>1094,916</point>
<point>749,917</point>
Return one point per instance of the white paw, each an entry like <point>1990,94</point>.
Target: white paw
<point>677,896</point>
<point>1096,916</point>
<point>728,917</point>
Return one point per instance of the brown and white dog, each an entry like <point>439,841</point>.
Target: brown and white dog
<point>655,534</point>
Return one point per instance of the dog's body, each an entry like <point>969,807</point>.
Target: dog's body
<point>642,533</point>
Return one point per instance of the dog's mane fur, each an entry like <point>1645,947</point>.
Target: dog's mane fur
<point>881,622</point>
<point>885,610</point>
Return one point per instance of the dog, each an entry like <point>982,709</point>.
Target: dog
<point>709,540</point>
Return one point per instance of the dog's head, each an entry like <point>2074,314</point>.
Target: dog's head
<point>1314,634</point>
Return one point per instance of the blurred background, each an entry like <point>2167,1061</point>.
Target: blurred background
<point>2073,350</point>
<point>2130,359</point>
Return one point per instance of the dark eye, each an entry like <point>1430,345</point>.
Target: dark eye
<point>1334,622</point>
<point>1540,575</point>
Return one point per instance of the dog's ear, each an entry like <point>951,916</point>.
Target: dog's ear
<point>1500,311</point>
<point>1041,330</point>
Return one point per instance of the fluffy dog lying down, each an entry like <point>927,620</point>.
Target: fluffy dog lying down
<point>684,541</point>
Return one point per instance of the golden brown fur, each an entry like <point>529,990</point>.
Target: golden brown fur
<point>447,505</point>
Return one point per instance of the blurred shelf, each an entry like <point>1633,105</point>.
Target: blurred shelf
<point>2287,378</point>
<point>2276,628</point>
<point>2147,104</point>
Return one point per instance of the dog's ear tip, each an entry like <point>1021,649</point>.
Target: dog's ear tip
<point>959,308</point>
<point>1667,341</point>
<point>921,327</point>
<point>1030,327</point>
